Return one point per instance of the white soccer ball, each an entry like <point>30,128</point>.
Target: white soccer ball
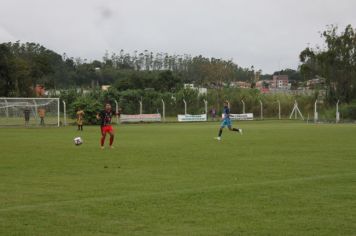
<point>78,141</point>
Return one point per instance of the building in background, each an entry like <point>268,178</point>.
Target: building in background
<point>280,82</point>
<point>201,91</point>
<point>316,83</point>
<point>240,84</point>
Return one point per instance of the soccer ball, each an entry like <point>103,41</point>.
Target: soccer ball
<point>78,141</point>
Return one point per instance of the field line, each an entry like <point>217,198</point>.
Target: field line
<point>172,192</point>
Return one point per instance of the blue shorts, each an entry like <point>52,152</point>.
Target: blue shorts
<point>226,122</point>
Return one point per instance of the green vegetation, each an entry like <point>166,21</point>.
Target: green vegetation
<point>24,65</point>
<point>336,62</point>
<point>279,178</point>
<point>151,77</point>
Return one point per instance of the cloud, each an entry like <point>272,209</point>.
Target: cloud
<point>266,34</point>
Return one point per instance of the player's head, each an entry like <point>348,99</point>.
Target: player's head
<point>226,103</point>
<point>107,106</point>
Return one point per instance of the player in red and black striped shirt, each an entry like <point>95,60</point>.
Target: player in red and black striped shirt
<point>105,117</point>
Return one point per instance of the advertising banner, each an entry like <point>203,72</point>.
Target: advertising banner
<point>140,118</point>
<point>246,116</point>
<point>191,118</point>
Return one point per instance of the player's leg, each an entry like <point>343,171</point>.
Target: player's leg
<point>112,136</point>
<point>222,126</point>
<point>229,125</point>
<point>81,127</point>
<point>103,136</point>
<point>220,131</point>
<point>235,130</point>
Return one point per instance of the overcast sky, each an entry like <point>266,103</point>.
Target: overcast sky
<point>268,34</point>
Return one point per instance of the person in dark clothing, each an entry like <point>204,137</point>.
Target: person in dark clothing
<point>26,113</point>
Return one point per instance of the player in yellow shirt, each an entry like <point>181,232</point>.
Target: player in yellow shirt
<point>80,118</point>
<point>42,114</point>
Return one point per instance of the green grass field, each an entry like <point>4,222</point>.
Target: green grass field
<point>279,178</point>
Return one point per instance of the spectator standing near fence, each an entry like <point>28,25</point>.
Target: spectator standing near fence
<point>42,114</point>
<point>80,118</point>
<point>26,113</point>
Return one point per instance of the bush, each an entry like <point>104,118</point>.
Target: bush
<point>129,101</point>
<point>348,111</point>
<point>90,105</point>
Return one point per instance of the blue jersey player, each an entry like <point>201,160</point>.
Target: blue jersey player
<point>226,121</point>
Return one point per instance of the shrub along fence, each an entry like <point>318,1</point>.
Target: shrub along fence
<point>266,106</point>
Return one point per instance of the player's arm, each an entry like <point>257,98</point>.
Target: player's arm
<point>98,116</point>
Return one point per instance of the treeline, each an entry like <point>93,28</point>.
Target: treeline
<point>24,65</point>
<point>336,62</point>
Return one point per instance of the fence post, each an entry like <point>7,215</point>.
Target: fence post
<point>316,111</point>
<point>243,106</point>
<point>185,106</point>
<point>141,107</point>
<point>337,112</point>
<point>261,109</point>
<point>295,114</point>
<point>279,109</point>
<point>163,110</point>
<point>64,113</point>
<point>59,112</point>
<point>206,109</point>
<point>117,110</point>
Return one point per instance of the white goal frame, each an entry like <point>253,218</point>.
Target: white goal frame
<point>28,102</point>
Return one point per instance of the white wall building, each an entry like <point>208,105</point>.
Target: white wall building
<point>201,91</point>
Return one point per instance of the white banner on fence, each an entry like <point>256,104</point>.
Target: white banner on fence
<point>188,118</point>
<point>140,118</point>
<point>246,116</point>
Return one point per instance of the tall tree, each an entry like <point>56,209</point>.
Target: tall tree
<point>336,62</point>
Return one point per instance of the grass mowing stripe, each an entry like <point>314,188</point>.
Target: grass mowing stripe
<point>182,191</point>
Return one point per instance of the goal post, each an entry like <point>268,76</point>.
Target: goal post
<point>29,111</point>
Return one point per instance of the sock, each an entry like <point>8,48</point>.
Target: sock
<point>111,140</point>
<point>78,127</point>
<point>237,130</point>
<point>102,141</point>
<point>220,132</point>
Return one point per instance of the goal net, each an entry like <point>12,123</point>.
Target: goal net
<point>29,112</point>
